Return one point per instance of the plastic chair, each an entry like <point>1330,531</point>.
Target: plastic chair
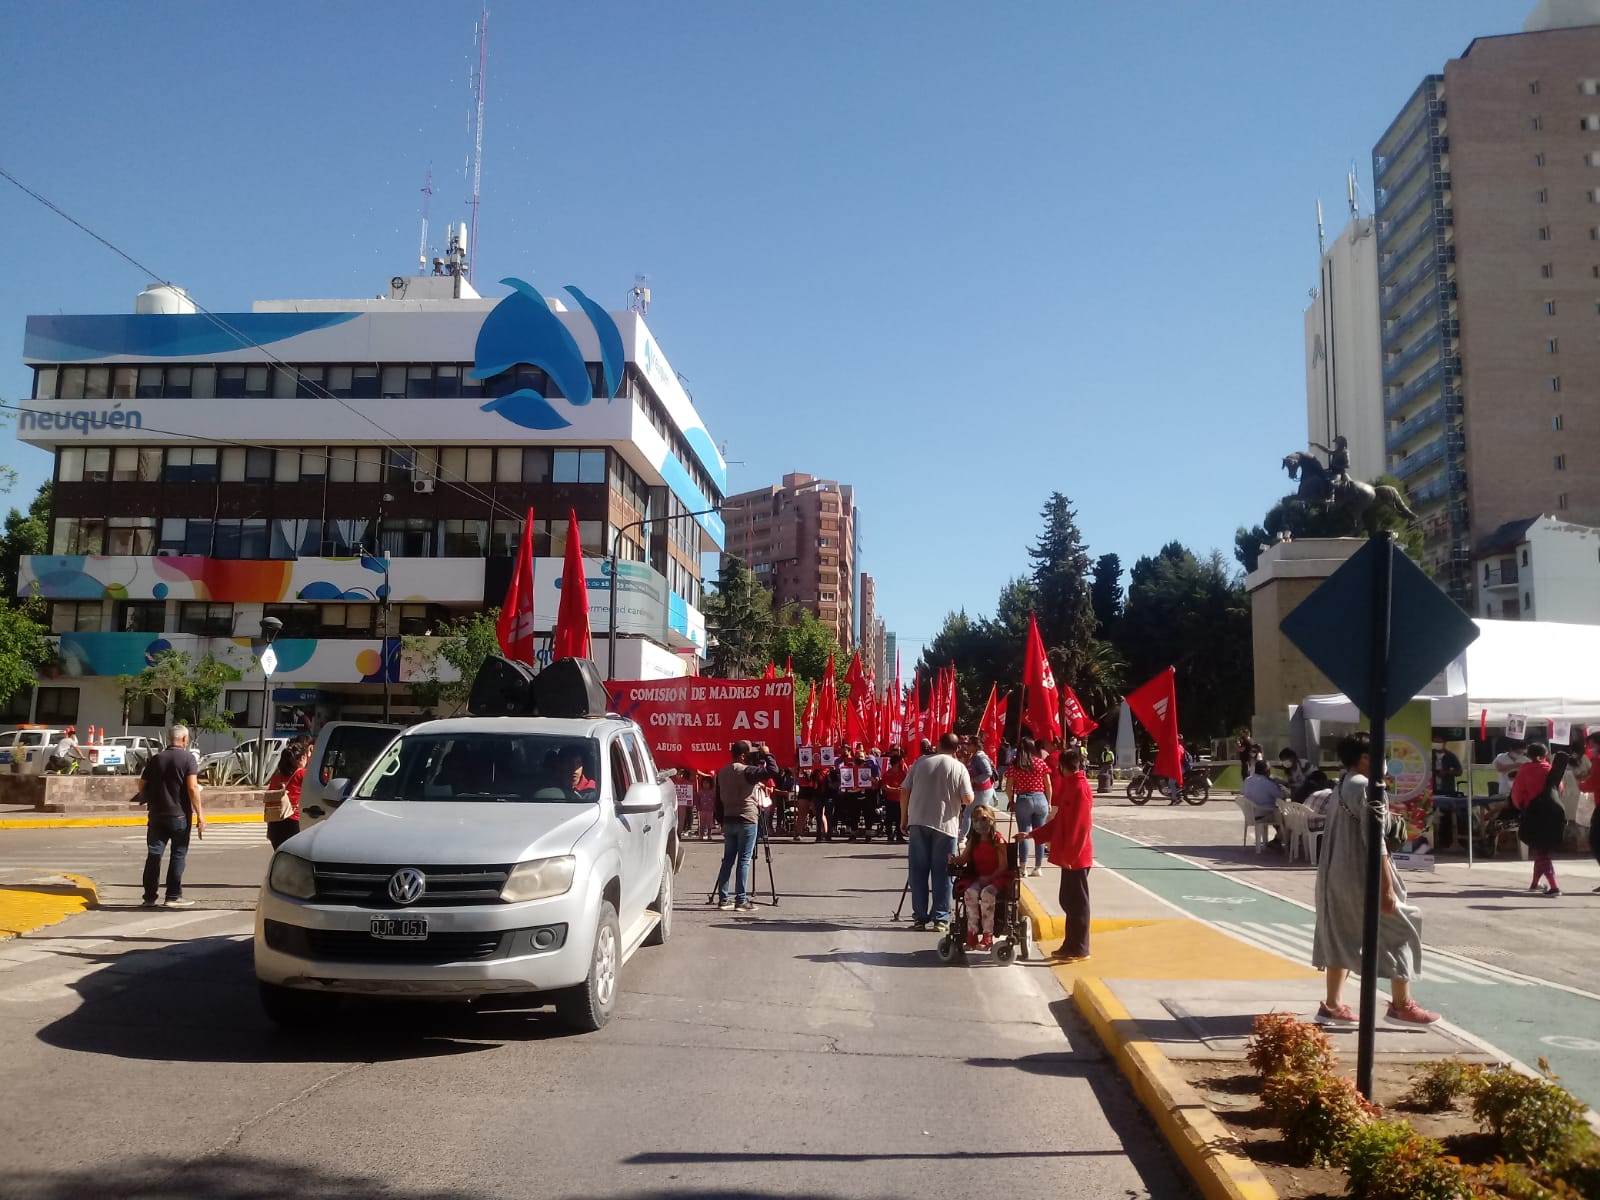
<point>1253,821</point>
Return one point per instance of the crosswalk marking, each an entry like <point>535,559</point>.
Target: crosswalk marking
<point>1294,941</point>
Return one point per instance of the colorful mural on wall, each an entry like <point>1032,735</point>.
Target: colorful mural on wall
<point>249,581</point>
<point>312,660</point>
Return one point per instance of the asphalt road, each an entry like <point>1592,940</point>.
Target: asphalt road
<point>813,1049</point>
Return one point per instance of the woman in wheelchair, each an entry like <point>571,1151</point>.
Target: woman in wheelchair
<point>985,876</point>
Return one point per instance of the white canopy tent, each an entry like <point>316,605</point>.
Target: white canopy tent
<point>1536,669</point>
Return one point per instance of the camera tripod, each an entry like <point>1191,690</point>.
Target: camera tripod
<point>764,841</point>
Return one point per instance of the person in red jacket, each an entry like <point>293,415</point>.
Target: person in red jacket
<point>1590,783</point>
<point>1071,849</point>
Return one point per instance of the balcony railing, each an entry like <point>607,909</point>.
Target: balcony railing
<point>1394,255</point>
<point>1434,489</point>
<point>1383,163</point>
<point>1408,466</point>
<point>1403,433</point>
<point>1427,343</point>
<point>1392,334</point>
<point>1432,377</point>
<point>1399,289</point>
<point>1501,576</point>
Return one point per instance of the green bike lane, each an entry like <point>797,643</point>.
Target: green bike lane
<point>1516,1015</point>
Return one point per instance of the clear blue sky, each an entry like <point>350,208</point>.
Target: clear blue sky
<point>958,255</point>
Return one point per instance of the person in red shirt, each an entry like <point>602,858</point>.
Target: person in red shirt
<point>1071,849</point>
<point>1530,784</point>
<point>985,853</point>
<point>1590,783</point>
<point>291,777</point>
<point>894,779</point>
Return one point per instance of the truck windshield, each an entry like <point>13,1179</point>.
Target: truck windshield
<point>502,767</point>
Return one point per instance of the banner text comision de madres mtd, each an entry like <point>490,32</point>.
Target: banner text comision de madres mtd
<point>691,722</point>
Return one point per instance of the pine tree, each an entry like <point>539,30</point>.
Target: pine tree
<point>1061,575</point>
<point>739,616</point>
<point>1105,592</point>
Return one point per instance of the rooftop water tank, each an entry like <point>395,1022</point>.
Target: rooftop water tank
<point>163,299</point>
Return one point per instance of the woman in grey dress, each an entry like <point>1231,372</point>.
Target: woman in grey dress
<point>1341,887</point>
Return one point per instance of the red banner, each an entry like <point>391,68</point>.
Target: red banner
<point>693,722</point>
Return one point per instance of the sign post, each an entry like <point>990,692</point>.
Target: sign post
<point>1379,629</point>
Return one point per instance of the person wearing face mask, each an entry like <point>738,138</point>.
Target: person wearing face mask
<point>985,855</point>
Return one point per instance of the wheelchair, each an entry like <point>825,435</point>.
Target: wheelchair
<point>1013,932</point>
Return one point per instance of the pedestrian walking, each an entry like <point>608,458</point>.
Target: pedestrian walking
<point>1069,833</point>
<point>1542,822</point>
<point>282,813</point>
<point>1028,784</point>
<point>739,807</point>
<point>169,788</point>
<point>936,790</point>
<point>1341,888</point>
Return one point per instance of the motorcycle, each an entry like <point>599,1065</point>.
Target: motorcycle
<point>1146,784</point>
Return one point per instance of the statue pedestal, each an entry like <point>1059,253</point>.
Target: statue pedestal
<point>1286,574</point>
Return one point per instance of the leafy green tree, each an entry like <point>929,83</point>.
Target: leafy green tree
<point>797,635</point>
<point>461,644</point>
<point>1061,575</point>
<point>187,689</point>
<point>739,615</point>
<point>1193,614</point>
<point>24,533</point>
<point>25,650</point>
<point>1105,592</point>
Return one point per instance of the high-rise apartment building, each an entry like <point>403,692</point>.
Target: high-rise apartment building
<point>799,539</point>
<point>360,471</point>
<point>868,641</point>
<point>1488,210</point>
<point>1344,372</point>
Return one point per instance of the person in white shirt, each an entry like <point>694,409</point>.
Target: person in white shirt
<point>1264,792</point>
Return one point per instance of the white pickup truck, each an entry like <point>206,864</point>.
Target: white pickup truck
<point>524,856</point>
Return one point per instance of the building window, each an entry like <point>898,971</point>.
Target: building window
<point>1533,88</point>
<point>57,706</point>
<point>130,464</point>
<point>578,466</point>
<point>828,596</point>
<point>1555,383</point>
<point>1556,423</point>
<point>239,538</point>
<point>1590,123</point>
<point>505,538</point>
<point>346,620</point>
<point>1561,500</point>
<point>464,539</point>
<point>75,616</point>
<point>141,616</point>
<point>1551,345</point>
<point>417,620</point>
<point>131,535</point>
<point>243,706</point>
<point>1560,462</point>
<point>205,620</point>
<point>1547,270</point>
<point>1542,196</point>
<point>1524,556</point>
<point>1535,124</point>
<point>299,620</point>
<point>1538,160</point>
<point>407,537</point>
<point>190,464</point>
<point>1549,308</point>
<point>78,535</point>
<point>1544,233</point>
<point>96,464</point>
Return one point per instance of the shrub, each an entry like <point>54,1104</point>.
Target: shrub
<point>1439,1084</point>
<point>1534,1118</point>
<point>1316,1113</point>
<point>1279,1043</point>
<point>1511,1182</point>
<point>1388,1160</point>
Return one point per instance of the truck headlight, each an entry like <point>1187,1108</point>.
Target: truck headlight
<point>292,875</point>
<point>541,878</point>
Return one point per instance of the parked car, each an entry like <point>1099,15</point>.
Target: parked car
<point>240,764</point>
<point>509,856</point>
<point>137,750</point>
<point>343,750</point>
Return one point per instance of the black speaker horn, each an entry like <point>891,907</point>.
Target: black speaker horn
<point>570,687</point>
<point>502,688</point>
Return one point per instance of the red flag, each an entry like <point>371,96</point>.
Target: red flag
<point>988,730</point>
<point>1075,719</point>
<point>771,672</point>
<point>1156,706</point>
<point>788,667</point>
<point>827,707</point>
<point>856,727</point>
<point>808,719</point>
<point>572,619</point>
<point>514,629</point>
<point>1483,724</point>
<point>913,719</point>
<point>1039,681</point>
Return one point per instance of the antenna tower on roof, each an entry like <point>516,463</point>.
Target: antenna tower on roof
<point>482,37</point>
<point>427,197</point>
<point>639,295</point>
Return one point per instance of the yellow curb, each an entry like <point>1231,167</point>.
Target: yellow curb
<point>1047,927</point>
<point>115,822</point>
<point>26,908</point>
<point>1207,1151</point>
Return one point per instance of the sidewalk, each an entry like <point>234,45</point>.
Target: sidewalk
<point>23,818</point>
<point>1163,986</point>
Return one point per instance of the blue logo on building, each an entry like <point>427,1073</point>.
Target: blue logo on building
<point>522,331</point>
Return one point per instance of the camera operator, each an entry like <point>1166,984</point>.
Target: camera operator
<point>739,807</point>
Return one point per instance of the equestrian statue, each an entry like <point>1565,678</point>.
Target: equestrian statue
<point>1334,488</point>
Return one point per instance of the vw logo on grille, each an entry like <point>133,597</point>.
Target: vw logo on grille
<point>406,885</point>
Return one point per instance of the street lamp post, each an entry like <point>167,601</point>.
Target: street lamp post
<point>270,626</point>
<point>611,640</point>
